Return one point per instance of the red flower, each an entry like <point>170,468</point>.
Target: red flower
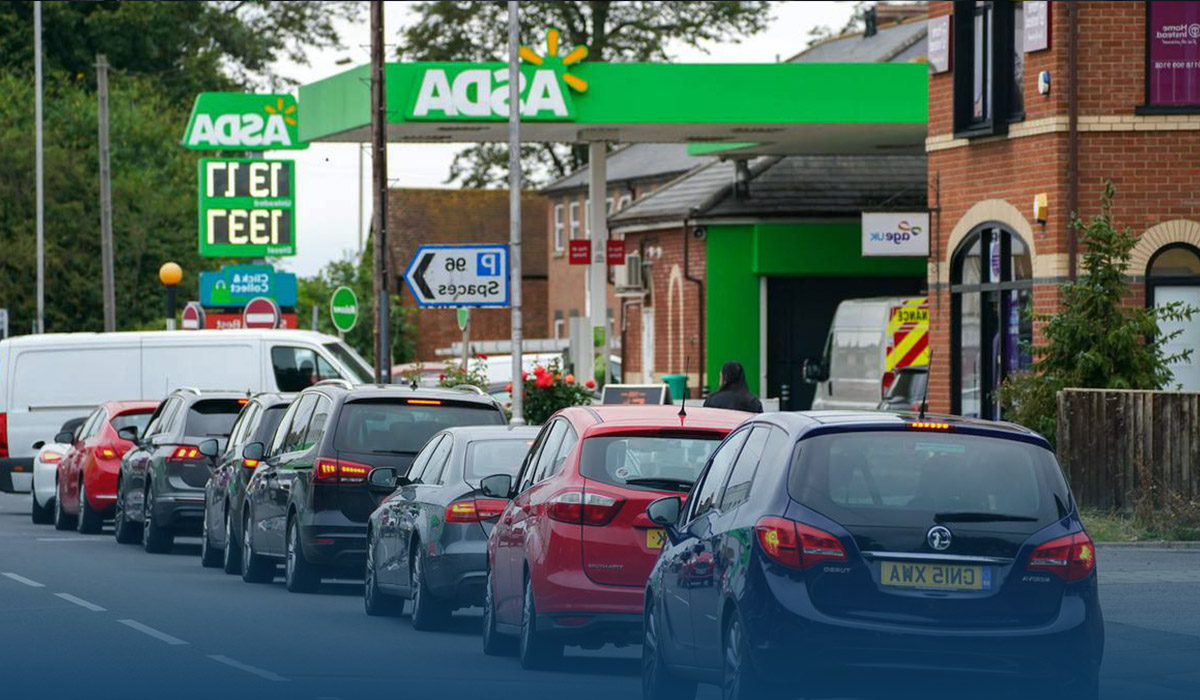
<point>524,376</point>
<point>508,387</point>
<point>539,371</point>
<point>544,381</point>
<point>591,384</point>
<point>441,376</point>
<point>570,379</point>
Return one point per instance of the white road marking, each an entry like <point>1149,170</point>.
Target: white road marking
<point>68,539</point>
<point>21,579</point>
<point>80,602</point>
<point>261,673</point>
<point>150,631</point>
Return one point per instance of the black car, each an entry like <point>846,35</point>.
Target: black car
<point>844,549</point>
<point>160,490</point>
<point>307,505</point>
<point>427,542</point>
<point>221,534</point>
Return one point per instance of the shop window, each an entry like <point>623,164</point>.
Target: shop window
<point>992,311</point>
<point>1172,58</point>
<point>1173,277</point>
<point>559,228</point>
<point>989,66</point>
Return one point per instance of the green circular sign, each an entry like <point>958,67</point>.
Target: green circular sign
<point>343,309</point>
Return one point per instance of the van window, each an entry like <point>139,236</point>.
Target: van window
<point>297,369</point>
<point>352,361</point>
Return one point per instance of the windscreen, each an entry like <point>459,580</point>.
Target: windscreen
<point>132,419</point>
<point>212,418</point>
<point>912,478</point>
<point>487,457</point>
<point>352,361</point>
<point>396,426</point>
<point>653,461</point>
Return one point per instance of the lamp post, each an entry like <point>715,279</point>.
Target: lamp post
<point>170,274</point>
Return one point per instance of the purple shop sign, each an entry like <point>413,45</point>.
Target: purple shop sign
<point>1173,38</point>
<point>1037,26</point>
<point>939,44</point>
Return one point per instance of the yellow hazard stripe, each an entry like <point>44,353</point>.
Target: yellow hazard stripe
<point>905,347</point>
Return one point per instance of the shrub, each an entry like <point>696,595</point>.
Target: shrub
<point>547,390</point>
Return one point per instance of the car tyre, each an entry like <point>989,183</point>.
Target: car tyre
<point>300,575</point>
<point>90,520</point>
<point>156,539</point>
<point>534,649</point>
<point>232,554</point>
<point>658,681</point>
<point>740,680</point>
<point>210,556</point>
<point>42,515</point>
<point>376,602</point>
<point>62,521</point>
<point>494,643</point>
<point>255,567</point>
<point>428,613</point>
<point>124,530</point>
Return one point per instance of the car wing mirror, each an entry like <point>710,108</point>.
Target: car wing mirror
<point>496,486</point>
<point>66,437</point>
<point>253,451</point>
<point>129,433</point>
<point>665,512</point>
<point>383,480</point>
<point>209,448</point>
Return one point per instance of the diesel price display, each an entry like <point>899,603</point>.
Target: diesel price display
<point>247,207</point>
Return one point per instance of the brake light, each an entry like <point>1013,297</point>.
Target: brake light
<point>105,452</point>
<point>797,545</point>
<point>50,457</point>
<point>927,425</point>
<point>340,471</point>
<point>889,378</point>
<point>583,508</point>
<point>1071,558</point>
<point>474,511</point>
<point>423,402</point>
<point>183,452</point>
<point>249,463</point>
<point>3,435</point>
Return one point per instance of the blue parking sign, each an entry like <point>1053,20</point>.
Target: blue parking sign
<point>487,264</point>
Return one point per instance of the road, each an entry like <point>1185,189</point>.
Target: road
<point>85,617</point>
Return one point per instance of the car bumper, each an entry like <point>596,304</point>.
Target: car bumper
<point>44,482</point>
<point>571,604</point>
<point>459,573</point>
<point>340,544</point>
<point>16,474</point>
<point>183,513</point>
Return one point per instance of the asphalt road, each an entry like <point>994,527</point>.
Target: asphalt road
<point>83,617</point>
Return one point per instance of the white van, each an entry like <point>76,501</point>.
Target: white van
<point>47,379</point>
<point>869,341</point>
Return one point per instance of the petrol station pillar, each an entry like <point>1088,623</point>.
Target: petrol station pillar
<point>598,269</point>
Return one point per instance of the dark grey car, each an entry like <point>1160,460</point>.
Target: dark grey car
<point>427,542</point>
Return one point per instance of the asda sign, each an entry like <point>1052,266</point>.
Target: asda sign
<point>481,91</point>
<point>243,122</point>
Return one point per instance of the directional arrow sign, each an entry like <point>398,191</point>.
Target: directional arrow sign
<point>459,275</point>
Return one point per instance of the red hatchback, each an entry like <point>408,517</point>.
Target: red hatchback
<point>87,474</point>
<point>569,557</point>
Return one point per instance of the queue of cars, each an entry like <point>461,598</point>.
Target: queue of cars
<point>769,555</point>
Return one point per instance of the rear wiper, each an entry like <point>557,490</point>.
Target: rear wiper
<point>981,517</point>
<point>393,452</point>
<point>661,482</point>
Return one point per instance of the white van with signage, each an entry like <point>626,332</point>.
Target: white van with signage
<point>47,379</point>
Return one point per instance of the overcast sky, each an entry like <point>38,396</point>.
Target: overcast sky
<point>328,186</point>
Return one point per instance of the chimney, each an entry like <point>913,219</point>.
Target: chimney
<point>869,29</point>
<point>741,179</point>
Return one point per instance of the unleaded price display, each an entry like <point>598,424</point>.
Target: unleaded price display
<point>247,207</point>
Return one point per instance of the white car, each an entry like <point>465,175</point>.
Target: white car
<point>45,472</point>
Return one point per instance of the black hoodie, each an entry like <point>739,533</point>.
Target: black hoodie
<point>734,394</point>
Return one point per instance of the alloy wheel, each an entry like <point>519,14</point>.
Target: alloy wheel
<point>731,676</point>
<point>415,583</point>
<point>246,544</point>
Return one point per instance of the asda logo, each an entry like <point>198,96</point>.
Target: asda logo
<point>483,93</point>
<point>243,122</point>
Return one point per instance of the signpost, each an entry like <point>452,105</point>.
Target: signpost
<point>459,275</point>
<point>234,285</point>
<point>247,207</point>
<point>343,309</point>
<point>192,318</point>
<point>261,312</point>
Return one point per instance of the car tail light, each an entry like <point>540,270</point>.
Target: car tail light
<point>3,436</point>
<point>475,510</point>
<point>584,508</point>
<point>250,463</point>
<point>1071,558</point>
<point>888,379</point>
<point>106,452</point>
<point>340,471</point>
<point>183,453</point>
<point>797,545</point>
<point>50,457</point>
<point>929,425</point>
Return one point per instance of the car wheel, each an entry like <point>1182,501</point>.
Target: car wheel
<point>232,553</point>
<point>62,521</point>
<point>494,643</point>
<point>90,520</point>
<point>42,515</point>
<point>123,529</point>
<point>658,682</point>
<point>740,680</point>
<point>300,575</point>
<point>255,567</point>
<point>210,556</point>
<point>428,613</point>
<point>376,602</point>
<point>156,539</point>
<point>534,649</point>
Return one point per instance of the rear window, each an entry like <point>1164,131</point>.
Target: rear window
<point>131,419</point>
<point>662,461</point>
<point>212,417</point>
<point>906,478</point>
<point>487,457</point>
<point>394,426</point>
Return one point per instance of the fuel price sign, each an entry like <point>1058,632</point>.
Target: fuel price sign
<point>247,208</point>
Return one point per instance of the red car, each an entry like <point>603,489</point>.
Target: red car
<point>569,557</point>
<point>87,474</point>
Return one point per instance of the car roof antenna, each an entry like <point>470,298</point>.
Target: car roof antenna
<point>687,361</point>
<point>925,393</point>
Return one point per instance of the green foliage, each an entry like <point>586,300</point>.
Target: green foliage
<point>475,374</point>
<point>547,391</point>
<point>612,31</point>
<point>1098,340</point>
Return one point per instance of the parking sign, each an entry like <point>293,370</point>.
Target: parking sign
<point>459,275</point>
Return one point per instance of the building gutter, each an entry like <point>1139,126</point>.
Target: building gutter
<point>1072,137</point>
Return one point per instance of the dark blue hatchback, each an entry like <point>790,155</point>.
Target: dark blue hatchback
<point>853,553</point>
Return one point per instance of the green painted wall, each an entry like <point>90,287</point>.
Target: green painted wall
<point>738,255</point>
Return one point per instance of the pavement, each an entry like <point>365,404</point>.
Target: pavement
<point>81,616</point>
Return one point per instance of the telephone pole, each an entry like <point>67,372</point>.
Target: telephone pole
<point>379,183</point>
<point>40,322</point>
<point>106,242</point>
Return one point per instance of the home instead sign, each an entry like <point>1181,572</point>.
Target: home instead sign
<point>895,234</point>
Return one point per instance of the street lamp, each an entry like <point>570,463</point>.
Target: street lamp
<point>170,274</point>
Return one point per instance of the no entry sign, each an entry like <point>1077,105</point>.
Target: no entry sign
<point>192,318</point>
<point>261,312</point>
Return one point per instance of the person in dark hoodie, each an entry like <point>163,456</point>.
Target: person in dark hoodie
<point>734,394</point>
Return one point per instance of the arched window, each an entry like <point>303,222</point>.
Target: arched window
<point>991,302</point>
<point>1173,275</point>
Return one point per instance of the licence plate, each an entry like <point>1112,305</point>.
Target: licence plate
<point>656,538</point>
<point>946,577</point>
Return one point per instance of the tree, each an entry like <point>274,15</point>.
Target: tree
<point>855,23</point>
<point>612,31</point>
<point>1098,340</point>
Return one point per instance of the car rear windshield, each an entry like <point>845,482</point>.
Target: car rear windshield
<point>487,457</point>
<point>212,417</point>
<point>665,461</point>
<point>132,419</point>
<point>909,478</point>
<point>396,426</point>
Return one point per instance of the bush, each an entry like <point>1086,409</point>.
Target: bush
<point>476,374</point>
<point>548,390</point>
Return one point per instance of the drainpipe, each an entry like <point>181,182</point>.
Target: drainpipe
<point>1072,136</point>
<point>699,282</point>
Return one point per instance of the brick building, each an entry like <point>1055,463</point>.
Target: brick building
<point>1115,109</point>
<point>420,216</point>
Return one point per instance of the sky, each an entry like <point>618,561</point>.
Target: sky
<point>329,189</point>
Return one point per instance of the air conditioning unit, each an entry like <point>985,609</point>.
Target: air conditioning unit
<point>629,279</point>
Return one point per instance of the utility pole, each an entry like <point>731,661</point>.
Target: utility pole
<point>39,324</point>
<point>359,146</point>
<point>106,241</point>
<point>379,182</point>
<point>514,209</point>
